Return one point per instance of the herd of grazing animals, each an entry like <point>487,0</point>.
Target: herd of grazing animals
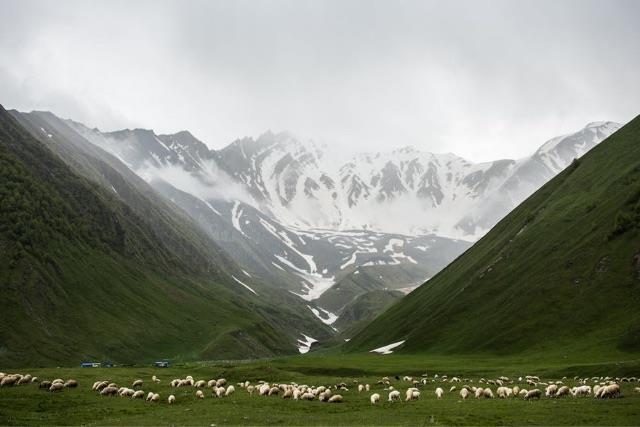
<point>505,388</point>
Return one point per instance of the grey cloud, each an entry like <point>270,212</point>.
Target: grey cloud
<point>483,79</point>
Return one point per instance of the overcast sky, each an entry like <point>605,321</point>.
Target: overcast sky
<point>482,79</point>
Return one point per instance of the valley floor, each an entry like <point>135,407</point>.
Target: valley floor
<point>27,405</point>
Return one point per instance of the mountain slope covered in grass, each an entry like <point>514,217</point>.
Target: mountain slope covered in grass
<point>561,273</point>
<point>83,276</point>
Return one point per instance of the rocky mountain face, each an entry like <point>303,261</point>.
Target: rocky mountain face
<point>301,218</point>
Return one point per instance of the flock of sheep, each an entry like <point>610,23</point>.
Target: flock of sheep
<point>598,387</point>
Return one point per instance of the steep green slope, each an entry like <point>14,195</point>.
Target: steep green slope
<point>363,309</point>
<point>84,276</point>
<point>561,273</point>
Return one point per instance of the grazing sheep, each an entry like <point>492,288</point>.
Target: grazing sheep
<point>250,389</point>
<point>200,384</point>
<point>199,394</point>
<point>71,383</point>
<point>264,389</point>
<point>45,384</point>
<point>274,391</point>
<point>24,380</point>
<point>155,379</point>
<point>138,394</point>
<point>609,391</point>
<point>487,393</point>
<point>411,394</point>
<point>439,392</point>
<point>360,388</point>
<point>219,391</point>
<point>515,390</point>
<point>479,392</point>
<point>533,394</point>
<point>288,394</point>
<point>221,382</point>
<point>367,387</point>
<point>464,393</point>
<point>171,399</point>
<point>58,380</point>
<point>102,385</point>
<point>107,391</point>
<point>155,398</point>
<point>127,392</point>
<point>137,383</point>
<point>8,380</point>
<point>583,390</point>
<point>56,387</point>
<point>230,390</point>
<point>149,396</point>
<point>551,390</point>
<point>375,398</point>
<point>452,389</point>
<point>562,391</point>
<point>336,398</point>
<point>394,396</point>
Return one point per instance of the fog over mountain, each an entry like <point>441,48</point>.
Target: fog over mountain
<point>362,76</point>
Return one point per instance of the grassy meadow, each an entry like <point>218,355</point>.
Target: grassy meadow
<point>28,405</point>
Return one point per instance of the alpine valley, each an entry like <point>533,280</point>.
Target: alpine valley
<point>316,243</point>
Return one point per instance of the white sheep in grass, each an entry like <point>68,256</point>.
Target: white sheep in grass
<point>336,398</point>
<point>137,383</point>
<point>250,389</point>
<point>274,391</point>
<point>367,387</point>
<point>583,390</point>
<point>264,389</point>
<point>410,394</point>
<point>551,390</point>
<point>307,396</point>
<point>155,379</point>
<point>200,384</point>
<point>452,389</point>
<point>375,398</point>
<point>360,388</point>
<point>230,390</point>
<point>533,394</point>
<point>171,399</point>
<point>322,397</point>
<point>504,392</point>
<point>221,382</point>
<point>515,390</point>
<point>609,391</point>
<point>479,392</point>
<point>149,396</point>
<point>199,394</point>
<point>138,395</point>
<point>219,391</point>
<point>636,389</point>
<point>107,391</point>
<point>56,387</point>
<point>288,394</point>
<point>296,394</point>
<point>394,396</point>
<point>211,383</point>
<point>127,392</point>
<point>562,391</point>
<point>439,392</point>
<point>464,393</point>
<point>487,393</point>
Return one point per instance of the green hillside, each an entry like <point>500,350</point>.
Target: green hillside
<point>82,276</point>
<point>560,274</point>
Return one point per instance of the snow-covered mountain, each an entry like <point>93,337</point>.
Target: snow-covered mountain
<point>308,220</point>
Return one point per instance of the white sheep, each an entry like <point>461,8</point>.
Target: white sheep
<point>250,389</point>
<point>230,390</point>
<point>533,394</point>
<point>149,396</point>
<point>375,398</point>
<point>155,379</point>
<point>367,387</point>
<point>394,396</point>
<point>139,394</point>
<point>479,392</point>
<point>562,391</point>
<point>464,393</point>
<point>199,394</point>
<point>137,383</point>
<point>487,393</point>
<point>336,398</point>
<point>360,388</point>
<point>56,387</point>
<point>200,384</point>
<point>439,392</point>
<point>551,390</point>
<point>171,399</point>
